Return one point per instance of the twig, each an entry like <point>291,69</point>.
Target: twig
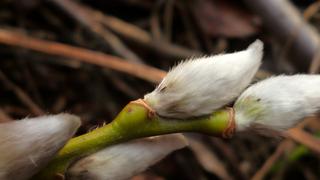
<point>308,14</point>
<point>84,16</point>
<point>154,22</point>
<point>208,160</point>
<point>195,27</point>
<point>285,22</point>
<point>122,86</point>
<point>4,117</point>
<point>271,160</point>
<point>230,155</point>
<point>296,134</point>
<point>305,138</point>
<point>311,10</point>
<point>189,26</point>
<point>315,64</point>
<point>142,71</point>
<point>24,98</point>
<point>168,18</point>
<point>59,104</point>
<point>138,35</point>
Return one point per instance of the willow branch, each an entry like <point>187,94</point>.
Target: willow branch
<point>136,120</point>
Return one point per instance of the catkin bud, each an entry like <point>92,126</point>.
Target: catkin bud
<point>198,87</point>
<point>27,145</point>
<point>124,160</point>
<point>278,103</point>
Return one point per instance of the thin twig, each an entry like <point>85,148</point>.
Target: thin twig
<point>142,37</point>
<point>139,70</point>
<point>4,117</point>
<point>84,16</point>
<point>208,159</point>
<point>308,13</point>
<point>271,160</point>
<point>296,134</point>
<point>230,155</point>
<point>304,138</point>
<point>191,34</point>
<point>300,38</point>
<point>154,22</point>
<point>24,97</point>
<point>168,18</point>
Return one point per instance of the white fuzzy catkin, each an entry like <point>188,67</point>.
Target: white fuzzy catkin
<point>279,102</point>
<point>27,145</point>
<point>197,87</point>
<point>125,160</point>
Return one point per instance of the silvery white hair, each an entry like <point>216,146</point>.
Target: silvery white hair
<point>279,102</point>
<point>28,145</point>
<point>121,161</point>
<point>200,86</point>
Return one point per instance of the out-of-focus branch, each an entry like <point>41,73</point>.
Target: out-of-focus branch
<point>308,14</point>
<point>305,138</point>
<point>287,25</point>
<point>143,71</point>
<point>135,34</point>
<point>85,18</point>
<point>4,117</point>
<point>271,160</point>
<point>23,96</point>
<point>296,134</point>
<point>208,159</point>
<point>95,22</point>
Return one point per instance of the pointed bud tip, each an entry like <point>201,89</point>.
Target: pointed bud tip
<point>256,48</point>
<point>257,45</point>
<point>66,120</point>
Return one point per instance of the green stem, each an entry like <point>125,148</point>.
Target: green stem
<point>134,121</point>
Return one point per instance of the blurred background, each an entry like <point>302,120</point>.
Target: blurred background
<point>92,57</point>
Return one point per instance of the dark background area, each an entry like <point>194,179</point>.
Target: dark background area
<point>156,33</point>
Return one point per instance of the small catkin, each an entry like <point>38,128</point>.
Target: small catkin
<point>197,87</point>
<point>278,103</point>
<point>122,161</point>
<point>28,145</point>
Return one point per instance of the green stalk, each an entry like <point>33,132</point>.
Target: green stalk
<point>136,120</point>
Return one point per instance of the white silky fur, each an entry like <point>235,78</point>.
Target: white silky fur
<point>125,160</point>
<point>279,102</point>
<point>197,87</point>
<point>27,145</point>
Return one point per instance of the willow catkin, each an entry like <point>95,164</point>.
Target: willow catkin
<point>27,145</point>
<point>198,87</point>
<point>279,102</point>
<point>121,161</point>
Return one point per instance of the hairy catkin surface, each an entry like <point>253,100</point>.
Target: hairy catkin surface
<point>279,102</point>
<point>197,87</point>
<point>120,162</point>
<point>27,145</point>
